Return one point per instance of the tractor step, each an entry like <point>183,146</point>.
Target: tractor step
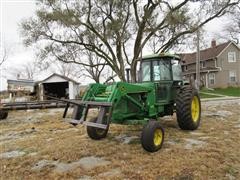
<point>97,125</point>
<point>87,123</point>
<point>73,121</point>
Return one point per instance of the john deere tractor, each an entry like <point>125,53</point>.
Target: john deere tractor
<point>160,91</point>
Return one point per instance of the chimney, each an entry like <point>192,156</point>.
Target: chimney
<point>213,43</point>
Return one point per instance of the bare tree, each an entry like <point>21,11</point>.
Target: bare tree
<point>66,69</point>
<point>25,71</point>
<point>114,30</point>
<point>92,67</point>
<point>94,72</point>
<point>4,56</point>
<point>231,30</point>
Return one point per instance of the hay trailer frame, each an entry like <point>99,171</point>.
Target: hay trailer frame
<point>12,106</point>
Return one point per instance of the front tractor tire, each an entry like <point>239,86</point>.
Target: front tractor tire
<point>152,136</point>
<point>96,133</point>
<point>3,114</point>
<point>188,107</point>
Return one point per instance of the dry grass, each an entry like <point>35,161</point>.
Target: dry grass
<point>47,135</point>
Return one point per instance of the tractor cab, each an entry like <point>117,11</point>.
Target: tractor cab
<point>160,67</point>
<point>164,70</point>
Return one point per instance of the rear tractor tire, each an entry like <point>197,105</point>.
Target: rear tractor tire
<point>152,136</point>
<point>96,133</point>
<point>188,107</point>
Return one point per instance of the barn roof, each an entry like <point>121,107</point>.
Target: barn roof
<point>61,76</point>
<point>26,82</point>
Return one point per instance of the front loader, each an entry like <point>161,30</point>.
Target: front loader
<point>160,91</point>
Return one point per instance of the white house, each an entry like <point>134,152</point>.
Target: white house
<point>20,85</point>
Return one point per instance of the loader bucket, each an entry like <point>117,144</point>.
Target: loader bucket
<point>81,109</point>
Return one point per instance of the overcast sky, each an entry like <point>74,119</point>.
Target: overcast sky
<point>13,11</point>
<point>11,14</point>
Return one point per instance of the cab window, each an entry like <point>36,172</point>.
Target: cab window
<point>161,70</point>
<point>176,70</point>
<point>156,71</point>
<point>146,73</point>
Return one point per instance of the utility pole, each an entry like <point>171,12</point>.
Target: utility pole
<point>197,81</point>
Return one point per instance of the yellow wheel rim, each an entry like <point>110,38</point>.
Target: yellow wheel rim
<point>157,139</point>
<point>195,109</point>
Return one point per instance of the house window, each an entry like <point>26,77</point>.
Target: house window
<point>232,76</point>
<point>231,56</point>
<point>211,78</point>
<point>185,68</point>
<point>203,64</point>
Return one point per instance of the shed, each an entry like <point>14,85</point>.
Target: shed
<point>58,86</point>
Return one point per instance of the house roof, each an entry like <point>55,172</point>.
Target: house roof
<point>205,54</point>
<point>21,82</point>
<point>61,76</point>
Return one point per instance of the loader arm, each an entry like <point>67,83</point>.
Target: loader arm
<point>116,102</point>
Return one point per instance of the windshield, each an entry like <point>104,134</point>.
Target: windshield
<point>156,70</point>
<point>161,70</point>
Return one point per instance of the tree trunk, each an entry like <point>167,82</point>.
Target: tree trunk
<point>133,71</point>
<point>122,77</point>
<point>133,74</point>
<point>96,80</point>
<point>121,74</point>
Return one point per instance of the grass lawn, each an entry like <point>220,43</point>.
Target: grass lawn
<point>202,96</point>
<point>43,146</point>
<point>230,91</point>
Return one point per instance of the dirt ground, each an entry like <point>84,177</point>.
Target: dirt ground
<point>38,144</point>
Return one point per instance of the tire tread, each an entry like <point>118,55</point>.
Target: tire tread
<point>183,108</point>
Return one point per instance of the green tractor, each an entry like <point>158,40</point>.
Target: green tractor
<point>160,91</point>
